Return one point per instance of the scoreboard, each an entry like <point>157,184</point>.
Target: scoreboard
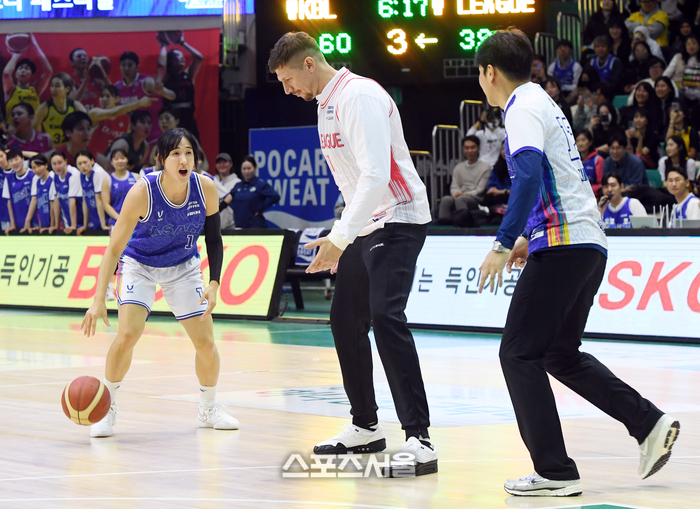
<point>397,41</point>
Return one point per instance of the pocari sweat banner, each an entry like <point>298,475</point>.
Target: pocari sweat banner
<point>290,159</point>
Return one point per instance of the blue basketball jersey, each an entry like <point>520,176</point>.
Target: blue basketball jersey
<point>565,74</point>
<point>604,70</point>
<point>118,190</point>
<point>620,218</point>
<point>19,191</point>
<point>67,188</point>
<point>44,192</point>
<point>687,209</point>
<point>167,235</point>
<point>92,185</point>
<point>4,214</point>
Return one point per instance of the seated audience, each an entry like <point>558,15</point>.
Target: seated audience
<point>667,93</point>
<point>491,133</point>
<point>615,208</point>
<point>469,181</point>
<point>643,139</point>
<point>687,204</point>
<point>585,103</point>
<point>638,68</point>
<point>656,70</point>
<point>538,72</point>
<point>677,40</point>
<point>677,156</point>
<point>628,166</point>
<point>641,34</point>
<point>592,161</point>
<point>250,197</point>
<point>621,43</point>
<point>608,66</point>
<point>600,21</point>
<point>651,16</point>
<point>227,179</point>
<point>644,97</point>
<point>678,125</point>
<point>687,58</point>
<point>498,187</point>
<point>603,126</point>
<point>553,89</point>
<point>566,69</point>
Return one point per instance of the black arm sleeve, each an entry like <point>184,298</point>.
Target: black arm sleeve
<point>215,246</point>
<point>222,205</point>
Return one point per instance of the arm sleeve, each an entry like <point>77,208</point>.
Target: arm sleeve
<point>215,246</point>
<point>365,119</point>
<point>527,168</point>
<point>637,208</point>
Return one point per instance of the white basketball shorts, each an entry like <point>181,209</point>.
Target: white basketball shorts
<point>182,286</point>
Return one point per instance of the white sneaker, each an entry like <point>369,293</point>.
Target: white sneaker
<point>355,440</point>
<point>424,460</point>
<point>110,295</point>
<point>534,485</point>
<point>216,417</point>
<point>103,428</point>
<point>655,451</point>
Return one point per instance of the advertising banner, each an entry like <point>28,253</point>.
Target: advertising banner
<point>64,275</point>
<point>290,159</point>
<point>651,287</point>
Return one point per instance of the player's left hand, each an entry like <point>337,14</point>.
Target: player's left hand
<point>327,256</point>
<point>209,295</point>
<point>492,267</point>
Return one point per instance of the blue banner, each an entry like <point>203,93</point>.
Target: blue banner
<point>290,159</point>
<point>50,9</point>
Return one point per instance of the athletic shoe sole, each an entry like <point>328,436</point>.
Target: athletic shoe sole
<point>429,467</point>
<point>568,491</point>
<point>671,437</point>
<point>376,446</point>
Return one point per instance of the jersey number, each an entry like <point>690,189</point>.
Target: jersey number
<point>190,242</point>
<point>574,156</point>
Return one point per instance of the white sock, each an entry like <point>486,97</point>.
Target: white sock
<point>207,395</point>
<point>112,386</point>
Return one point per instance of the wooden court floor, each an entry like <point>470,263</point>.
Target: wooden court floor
<point>282,382</point>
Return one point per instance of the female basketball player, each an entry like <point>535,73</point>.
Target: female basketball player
<point>50,114</point>
<point>155,242</point>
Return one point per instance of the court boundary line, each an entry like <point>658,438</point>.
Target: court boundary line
<point>189,499</point>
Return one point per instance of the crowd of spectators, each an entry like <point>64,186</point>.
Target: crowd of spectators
<point>632,98</point>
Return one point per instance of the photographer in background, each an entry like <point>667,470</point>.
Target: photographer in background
<point>489,129</point>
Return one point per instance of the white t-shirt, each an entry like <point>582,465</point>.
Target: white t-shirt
<point>687,209</point>
<point>490,142</point>
<point>689,167</point>
<point>362,140</point>
<point>224,186</point>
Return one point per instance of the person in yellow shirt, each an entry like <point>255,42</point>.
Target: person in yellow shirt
<point>50,114</point>
<point>651,16</point>
<point>18,79</point>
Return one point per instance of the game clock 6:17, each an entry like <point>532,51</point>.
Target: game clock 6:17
<point>409,8</point>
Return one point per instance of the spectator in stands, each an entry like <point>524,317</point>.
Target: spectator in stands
<point>489,129</point>
<point>677,39</point>
<point>656,70</point>
<point>643,139</point>
<point>17,191</point>
<point>585,103</point>
<point>651,16</point>
<point>538,71</point>
<point>592,161</point>
<point>603,126</point>
<point>601,20</point>
<point>499,184</point>
<point>227,178</point>
<point>668,98</point>
<point>637,69</point>
<point>621,45</point>
<point>644,97</point>
<point>687,204</point>
<point>687,58</point>
<point>469,181</point>
<point>678,125</point>
<point>677,156</point>
<point>641,34</point>
<point>250,197</point>
<point>628,166</point>
<point>608,66</point>
<point>566,69</point>
<point>43,194</point>
<point>553,88</point>
<point>615,208</point>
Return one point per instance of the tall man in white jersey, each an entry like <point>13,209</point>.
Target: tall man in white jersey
<point>373,247</point>
<point>553,217</point>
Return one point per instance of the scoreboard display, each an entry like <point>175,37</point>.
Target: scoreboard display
<point>397,41</point>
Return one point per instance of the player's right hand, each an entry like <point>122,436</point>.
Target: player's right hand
<point>518,255</point>
<point>97,310</point>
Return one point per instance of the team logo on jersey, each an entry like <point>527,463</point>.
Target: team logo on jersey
<point>331,141</point>
<point>129,288</point>
<point>160,215</point>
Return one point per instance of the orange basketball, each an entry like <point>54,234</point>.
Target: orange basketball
<point>96,71</point>
<point>17,43</point>
<point>86,400</point>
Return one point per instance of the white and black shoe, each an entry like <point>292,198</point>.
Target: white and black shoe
<point>534,485</point>
<point>103,428</point>
<point>421,460</point>
<point>655,451</point>
<point>353,439</point>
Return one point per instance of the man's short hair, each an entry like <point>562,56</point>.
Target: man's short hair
<point>129,55</point>
<point>291,47</point>
<point>29,63</point>
<point>678,169</point>
<point>73,119</point>
<point>14,152</point>
<point>614,175</point>
<point>509,51</point>
<point>620,138</point>
<point>473,139</point>
<point>602,40</point>
<point>563,42</point>
<point>139,116</point>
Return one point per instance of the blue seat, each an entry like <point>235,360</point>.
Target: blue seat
<point>620,101</point>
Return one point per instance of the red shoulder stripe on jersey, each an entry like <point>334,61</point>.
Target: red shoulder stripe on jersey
<point>323,106</point>
<point>398,185</point>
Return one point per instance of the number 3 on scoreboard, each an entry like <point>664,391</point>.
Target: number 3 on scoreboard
<point>397,36</point>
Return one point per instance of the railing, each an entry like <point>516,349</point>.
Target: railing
<point>469,113</point>
<point>544,45</point>
<point>569,28</point>
<point>423,161</point>
<point>447,152</point>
